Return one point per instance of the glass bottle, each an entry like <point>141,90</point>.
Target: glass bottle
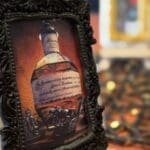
<point>56,86</point>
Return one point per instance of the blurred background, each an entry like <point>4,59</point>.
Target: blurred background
<point>122,56</point>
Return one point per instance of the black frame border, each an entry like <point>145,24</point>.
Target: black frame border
<point>78,11</point>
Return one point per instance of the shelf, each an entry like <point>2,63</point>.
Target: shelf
<point>125,53</point>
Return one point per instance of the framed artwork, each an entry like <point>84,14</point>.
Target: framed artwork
<point>49,85</point>
<point>129,20</point>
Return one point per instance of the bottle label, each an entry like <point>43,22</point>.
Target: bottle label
<point>57,86</point>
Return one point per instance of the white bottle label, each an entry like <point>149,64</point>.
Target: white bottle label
<point>57,86</point>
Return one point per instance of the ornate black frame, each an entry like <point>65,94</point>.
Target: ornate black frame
<point>27,9</point>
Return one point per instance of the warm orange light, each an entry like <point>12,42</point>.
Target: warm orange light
<point>111,85</point>
<point>134,111</point>
<point>115,124</point>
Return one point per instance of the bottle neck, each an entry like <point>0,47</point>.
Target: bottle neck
<point>50,47</point>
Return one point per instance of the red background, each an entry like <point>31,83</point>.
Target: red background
<point>28,51</point>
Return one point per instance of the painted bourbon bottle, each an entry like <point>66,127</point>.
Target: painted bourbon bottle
<point>56,86</point>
